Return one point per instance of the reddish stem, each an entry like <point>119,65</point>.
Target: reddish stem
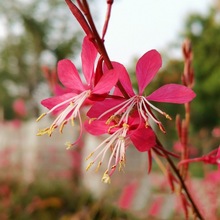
<point>100,44</point>
<point>183,162</point>
<point>187,77</point>
<point>182,182</point>
<point>79,17</point>
<point>107,18</point>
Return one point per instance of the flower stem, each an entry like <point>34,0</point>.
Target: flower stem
<point>184,187</point>
<point>96,39</point>
<point>182,183</point>
<point>79,17</point>
<point>108,14</point>
<point>187,79</point>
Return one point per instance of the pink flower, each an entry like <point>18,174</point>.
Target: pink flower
<point>216,132</point>
<point>126,119</point>
<point>19,107</point>
<point>214,176</point>
<point>67,106</point>
<point>146,69</point>
<point>156,206</point>
<point>127,196</point>
<point>121,136</point>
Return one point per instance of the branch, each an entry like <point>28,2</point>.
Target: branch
<point>182,183</point>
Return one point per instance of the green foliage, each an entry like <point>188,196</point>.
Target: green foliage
<point>36,33</point>
<point>204,32</point>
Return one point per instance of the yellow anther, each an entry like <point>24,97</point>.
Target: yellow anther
<point>89,156</point>
<point>113,126</point>
<point>106,178</point>
<point>167,116</point>
<point>91,120</point>
<point>42,131</point>
<point>51,129</point>
<point>110,119</point>
<point>88,167</point>
<point>122,138</point>
<point>117,118</point>
<point>121,166</point>
<point>68,145</point>
<point>62,126</point>
<point>72,121</point>
<point>97,168</point>
<point>41,116</point>
<point>125,125</point>
<point>113,167</point>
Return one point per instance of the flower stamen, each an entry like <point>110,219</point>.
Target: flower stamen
<point>88,167</point>
<point>68,114</point>
<point>125,109</point>
<point>98,166</point>
<point>106,178</point>
<point>62,126</point>
<point>68,145</point>
<point>117,143</point>
<point>40,117</point>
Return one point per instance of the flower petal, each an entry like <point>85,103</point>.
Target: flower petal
<point>143,138</point>
<point>99,108</point>
<point>96,127</point>
<point>124,78</point>
<point>106,83</point>
<point>88,57</point>
<point>147,67</point>
<point>172,93</point>
<point>69,75</point>
<point>58,90</point>
<point>56,100</point>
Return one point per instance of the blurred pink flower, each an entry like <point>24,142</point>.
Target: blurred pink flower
<point>127,195</point>
<point>156,207</point>
<point>19,107</point>
<point>216,132</point>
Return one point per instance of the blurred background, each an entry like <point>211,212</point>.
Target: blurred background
<point>39,178</point>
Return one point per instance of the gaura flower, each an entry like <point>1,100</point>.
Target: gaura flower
<point>146,69</point>
<point>120,137</point>
<point>67,106</point>
<point>126,119</point>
